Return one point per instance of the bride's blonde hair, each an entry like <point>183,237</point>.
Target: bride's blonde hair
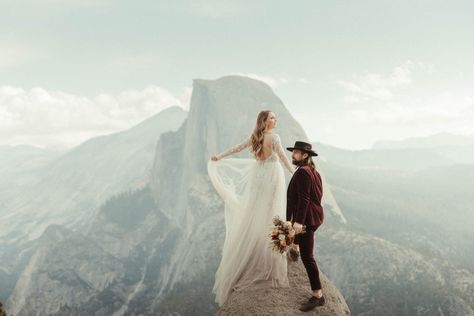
<point>257,135</point>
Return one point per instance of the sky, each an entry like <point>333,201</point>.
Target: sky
<point>351,72</point>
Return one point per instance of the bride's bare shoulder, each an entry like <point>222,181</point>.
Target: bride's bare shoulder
<point>271,134</point>
<point>269,137</point>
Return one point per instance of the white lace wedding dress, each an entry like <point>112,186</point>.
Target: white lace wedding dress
<point>253,191</point>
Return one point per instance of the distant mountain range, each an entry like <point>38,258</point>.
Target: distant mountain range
<point>434,141</point>
<point>419,202</point>
<point>42,188</point>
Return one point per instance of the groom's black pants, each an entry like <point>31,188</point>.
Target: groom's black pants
<point>306,243</point>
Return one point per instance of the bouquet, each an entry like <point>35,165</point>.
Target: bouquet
<point>282,235</point>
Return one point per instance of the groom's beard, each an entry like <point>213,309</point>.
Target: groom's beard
<point>298,163</point>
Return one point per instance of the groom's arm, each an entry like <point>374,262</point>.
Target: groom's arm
<point>304,191</point>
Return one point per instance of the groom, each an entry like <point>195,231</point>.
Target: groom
<point>304,195</point>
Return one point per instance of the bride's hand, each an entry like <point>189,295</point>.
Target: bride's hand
<point>214,158</point>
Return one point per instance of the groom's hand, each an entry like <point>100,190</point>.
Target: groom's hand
<point>298,227</point>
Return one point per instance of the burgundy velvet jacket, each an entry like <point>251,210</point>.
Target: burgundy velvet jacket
<point>304,195</point>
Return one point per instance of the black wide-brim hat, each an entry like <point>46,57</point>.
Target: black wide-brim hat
<point>303,146</point>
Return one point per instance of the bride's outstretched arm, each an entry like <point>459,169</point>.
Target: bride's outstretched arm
<point>281,153</point>
<point>233,150</point>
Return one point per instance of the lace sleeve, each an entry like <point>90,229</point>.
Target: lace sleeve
<point>276,144</point>
<point>237,148</point>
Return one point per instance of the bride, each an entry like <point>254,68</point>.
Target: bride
<point>253,191</point>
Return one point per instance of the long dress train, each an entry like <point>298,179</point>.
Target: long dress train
<point>253,192</point>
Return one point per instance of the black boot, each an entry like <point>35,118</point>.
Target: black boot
<point>312,303</point>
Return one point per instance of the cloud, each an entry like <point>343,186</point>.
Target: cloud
<point>360,128</point>
<point>303,80</point>
<point>404,102</point>
<point>378,87</point>
<point>385,99</point>
<point>57,119</point>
